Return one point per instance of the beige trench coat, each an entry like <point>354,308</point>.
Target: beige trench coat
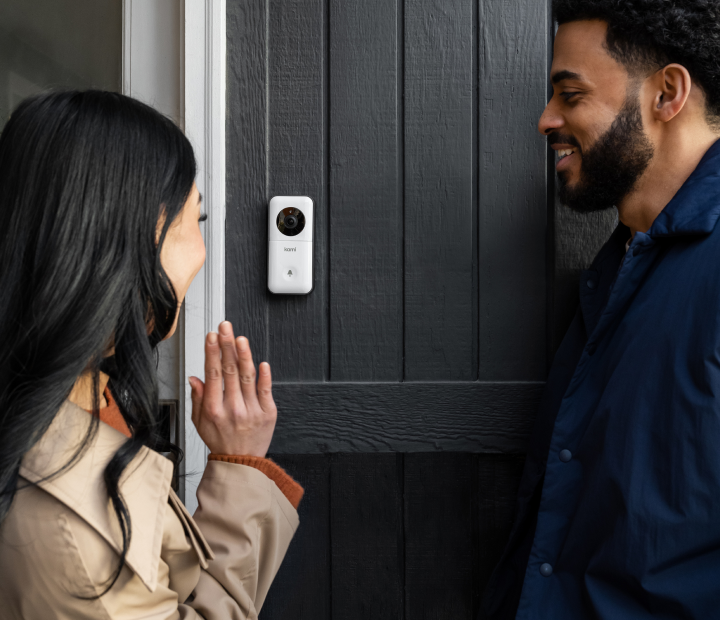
<point>60,540</point>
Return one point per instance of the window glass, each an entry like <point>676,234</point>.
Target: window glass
<point>58,44</point>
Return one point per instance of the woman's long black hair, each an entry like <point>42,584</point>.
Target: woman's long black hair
<point>85,177</point>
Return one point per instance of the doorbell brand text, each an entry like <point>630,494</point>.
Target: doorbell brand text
<point>291,249</point>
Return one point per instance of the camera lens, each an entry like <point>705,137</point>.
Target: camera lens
<point>290,221</point>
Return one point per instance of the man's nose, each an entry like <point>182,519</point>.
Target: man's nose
<point>550,120</point>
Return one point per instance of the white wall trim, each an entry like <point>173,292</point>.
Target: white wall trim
<point>174,60</point>
<point>127,47</point>
<point>204,59</point>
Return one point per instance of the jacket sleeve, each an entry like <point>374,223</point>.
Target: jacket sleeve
<point>249,524</point>
<point>57,562</point>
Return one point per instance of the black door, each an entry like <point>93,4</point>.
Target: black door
<point>407,380</point>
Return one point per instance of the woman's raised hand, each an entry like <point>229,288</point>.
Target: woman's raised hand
<point>240,419</point>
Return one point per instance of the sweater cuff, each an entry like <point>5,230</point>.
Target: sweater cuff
<point>289,488</point>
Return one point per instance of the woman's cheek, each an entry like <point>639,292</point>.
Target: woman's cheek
<point>202,250</point>
<point>200,254</point>
<point>192,259</point>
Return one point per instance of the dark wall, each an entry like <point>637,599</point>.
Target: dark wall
<point>407,380</point>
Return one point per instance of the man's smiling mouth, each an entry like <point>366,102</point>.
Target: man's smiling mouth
<point>563,153</point>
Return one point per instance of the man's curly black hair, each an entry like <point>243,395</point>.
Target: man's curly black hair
<point>646,35</point>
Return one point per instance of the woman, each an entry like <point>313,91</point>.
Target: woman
<point>99,241</point>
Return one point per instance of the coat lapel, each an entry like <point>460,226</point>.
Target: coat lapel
<point>596,282</point>
<point>144,486</point>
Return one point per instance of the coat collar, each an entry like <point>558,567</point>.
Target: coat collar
<point>596,282</point>
<point>695,209</point>
<point>145,485</point>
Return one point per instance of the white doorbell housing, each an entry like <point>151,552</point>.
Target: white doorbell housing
<point>290,245</point>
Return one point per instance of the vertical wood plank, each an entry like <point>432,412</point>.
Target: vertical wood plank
<point>439,164</point>
<point>366,535</point>
<point>246,211</point>
<point>365,192</point>
<point>513,191</point>
<point>498,480</point>
<point>578,239</point>
<point>301,588</point>
<point>440,503</point>
<point>296,141</point>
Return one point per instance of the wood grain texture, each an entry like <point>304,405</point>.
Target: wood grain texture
<point>439,518</point>
<point>298,349</point>
<point>367,537</point>
<point>513,192</point>
<point>439,286</point>
<point>415,118</point>
<point>246,211</point>
<point>365,192</point>
<point>408,536</point>
<point>301,588</point>
<point>578,239</point>
<point>498,479</point>
<point>404,417</point>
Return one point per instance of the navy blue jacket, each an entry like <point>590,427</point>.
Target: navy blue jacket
<point>618,512</point>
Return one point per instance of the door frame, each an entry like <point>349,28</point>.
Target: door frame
<point>174,59</point>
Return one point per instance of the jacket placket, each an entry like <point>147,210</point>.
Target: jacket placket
<point>563,479</point>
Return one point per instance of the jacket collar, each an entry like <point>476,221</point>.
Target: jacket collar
<point>145,485</point>
<point>695,209</point>
<point>596,282</point>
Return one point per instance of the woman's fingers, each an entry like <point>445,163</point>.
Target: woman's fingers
<point>213,393</point>
<point>264,389</point>
<point>242,424</point>
<point>230,369</point>
<point>247,373</point>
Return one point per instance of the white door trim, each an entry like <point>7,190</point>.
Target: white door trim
<point>174,59</point>
<point>205,127</point>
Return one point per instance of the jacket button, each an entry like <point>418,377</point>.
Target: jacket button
<point>545,569</point>
<point>591,284</point>
<point>565,456</point>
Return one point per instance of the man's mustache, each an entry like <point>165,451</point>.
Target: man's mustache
<point>559,138</point>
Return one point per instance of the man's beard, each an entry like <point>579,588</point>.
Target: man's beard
<point>612,166</point>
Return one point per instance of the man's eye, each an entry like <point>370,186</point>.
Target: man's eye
<point>568,95</point>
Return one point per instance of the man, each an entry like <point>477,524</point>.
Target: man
<point>618,511</point>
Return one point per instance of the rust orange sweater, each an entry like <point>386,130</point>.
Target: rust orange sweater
<point>292,490</point>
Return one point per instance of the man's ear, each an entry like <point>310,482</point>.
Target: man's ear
<point>671,86</point>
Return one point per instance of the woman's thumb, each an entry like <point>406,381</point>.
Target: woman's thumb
<point>197,389</point>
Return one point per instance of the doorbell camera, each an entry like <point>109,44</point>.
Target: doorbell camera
<point>290,245</point>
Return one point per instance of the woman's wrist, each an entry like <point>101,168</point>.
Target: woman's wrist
<point>289,487</point>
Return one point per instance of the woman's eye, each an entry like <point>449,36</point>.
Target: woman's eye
<point>203,217</point>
